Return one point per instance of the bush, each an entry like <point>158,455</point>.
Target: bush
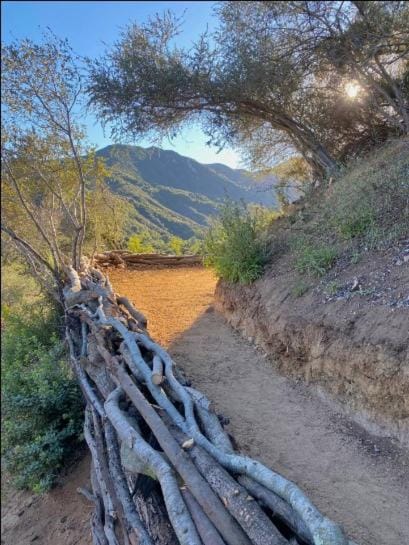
<point>355,224</point>
<point>42,409</point>
<point>176,245</point>
<point>235,244</point>
<point>316,260</point>
<point>140,244</point>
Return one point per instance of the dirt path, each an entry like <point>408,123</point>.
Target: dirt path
<point>358,481</point>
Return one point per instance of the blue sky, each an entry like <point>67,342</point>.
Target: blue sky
<point>91,26</point>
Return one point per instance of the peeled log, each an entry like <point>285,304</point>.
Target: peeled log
<point>178,513</point>
<point>213,429</point>
<point>211,505</point>
<point>157,370</point>
<point>139,317</point>
<point>114,520</point>
<point>246,511</point>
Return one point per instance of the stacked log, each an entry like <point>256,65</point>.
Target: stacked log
<point>124,259</point>
<point>164,470</point>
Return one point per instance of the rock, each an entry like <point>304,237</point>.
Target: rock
<point>355,285</point>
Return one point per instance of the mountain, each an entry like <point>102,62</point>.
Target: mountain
<point>173,194</point>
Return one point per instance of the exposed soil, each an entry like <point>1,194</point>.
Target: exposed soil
<point>359,480</point>
<point>347,336</point>
<point>60,517</point>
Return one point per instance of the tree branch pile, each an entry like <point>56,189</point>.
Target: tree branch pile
<point>123,259</point>
<point>164,471</point>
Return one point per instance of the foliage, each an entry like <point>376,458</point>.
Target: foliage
<point>194,246</point>
<point>332,288</point>
<point>369,202</point>
<point>294,169</point>
<point>365,207</point>
<point>235,246</point>
<point>356,223</point>
<point>176,245</point>
<point>299,289</point>
<point>271,77</point>
<point>18,288</point>
<point>42,409</point>
<point>54,199</point>
<point>147,241</point>
<point>316,260</point>
<point>140,243</point>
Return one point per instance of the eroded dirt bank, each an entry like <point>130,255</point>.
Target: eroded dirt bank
<point>352,350</point>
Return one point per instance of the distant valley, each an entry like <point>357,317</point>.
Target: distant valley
<point>176,195</point>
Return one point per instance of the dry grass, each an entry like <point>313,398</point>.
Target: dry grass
<point>171,299</point>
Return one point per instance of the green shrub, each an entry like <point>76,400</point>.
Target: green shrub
<point>316,260</point>
<point>235,245</point>
<point>299,289</point>
<point>140,244</point>
<point>194,246</point>
<point>176,245</point>
<point>370,200</point>
<point>42,409</point>
<point>355,223</point>
<point>332,288</point>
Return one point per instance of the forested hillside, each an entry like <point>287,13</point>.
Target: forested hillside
<point>176,195</point>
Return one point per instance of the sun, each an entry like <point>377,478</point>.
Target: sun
<point>352,89</point>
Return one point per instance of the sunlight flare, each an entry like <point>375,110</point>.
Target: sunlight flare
<point>352,89</point>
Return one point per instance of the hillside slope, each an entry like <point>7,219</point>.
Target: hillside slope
<point>332,307</point>
<point>176,195</point>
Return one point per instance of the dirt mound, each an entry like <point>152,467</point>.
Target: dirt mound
<point>348,336</point>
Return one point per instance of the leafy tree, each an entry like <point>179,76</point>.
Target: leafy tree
<point>267,78</point>
<point>366,43</point>
<point>50,177</point>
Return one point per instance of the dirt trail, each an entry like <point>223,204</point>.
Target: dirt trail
<point>361,482</point>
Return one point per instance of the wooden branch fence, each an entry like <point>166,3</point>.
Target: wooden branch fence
<point>124,259</point>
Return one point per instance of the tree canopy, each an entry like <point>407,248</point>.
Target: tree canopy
<point>272,74</point>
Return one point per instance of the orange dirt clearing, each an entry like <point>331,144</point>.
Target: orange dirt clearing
<point>171,299</point>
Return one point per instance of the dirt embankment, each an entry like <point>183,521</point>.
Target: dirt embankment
<point>352,345</point>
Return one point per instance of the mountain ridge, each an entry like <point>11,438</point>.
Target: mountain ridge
<point>173,194</point>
